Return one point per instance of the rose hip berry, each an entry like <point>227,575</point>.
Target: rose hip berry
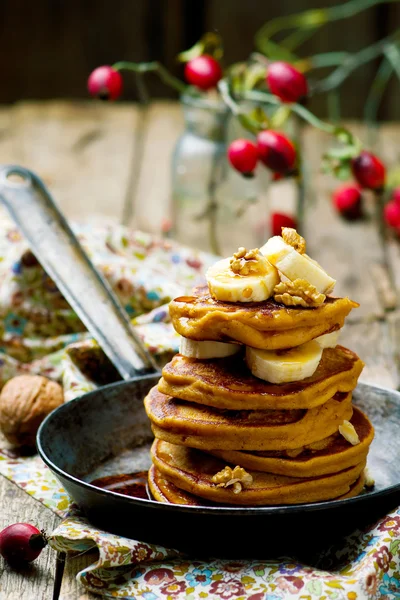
<point>395,195</point>
<point>243,156</point>
<point>286,82</point>
<point>203,71</point>
<point>279,220</point>
<point>369,171</point>
<point>21,543</point>
<point>105,83</point>
<point>276,151</point>
<point>347,200</point>
<point>391,213</point>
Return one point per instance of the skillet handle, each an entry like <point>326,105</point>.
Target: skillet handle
<point>61,255</point>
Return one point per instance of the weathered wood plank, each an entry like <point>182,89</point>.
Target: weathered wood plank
<point>152,202</point>
<point>83,151</point>
<point>346,250</point>
<point>36,580</point>
<point>71,589</point>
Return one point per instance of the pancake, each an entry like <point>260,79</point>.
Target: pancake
<point>266,325</point>
<point>207,428</point>
<point>336,456</point>
<point>163,490</point>
<point>192,471</point>
<point>227,383</point>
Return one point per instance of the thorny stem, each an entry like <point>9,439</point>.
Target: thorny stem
<point>152,67</point>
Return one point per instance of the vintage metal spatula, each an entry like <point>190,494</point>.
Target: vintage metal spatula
<point>61,255</point>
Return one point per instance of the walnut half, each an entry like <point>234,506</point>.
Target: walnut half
<point>237,477</point>
<point>248,262</point>
<point>298,293</point>
<point>291,237</point>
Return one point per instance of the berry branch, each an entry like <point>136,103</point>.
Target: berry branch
<point>152,67</point>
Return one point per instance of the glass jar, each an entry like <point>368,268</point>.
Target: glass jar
<point>214,207</point>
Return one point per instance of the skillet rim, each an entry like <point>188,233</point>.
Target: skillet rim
<point>282,509</point>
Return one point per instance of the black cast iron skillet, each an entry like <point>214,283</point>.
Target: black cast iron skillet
<point>106,432</point>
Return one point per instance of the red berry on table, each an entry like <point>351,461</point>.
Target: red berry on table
<point>21,543</point>
<point>276,151</point>
<point>203,71</point>
<point>105,83</point>
<point>286,82</point>
<point>347,200</point>
<point>369,171</point>
<point>243,156</point>
<point>391,213</point>
<point>279,220</point>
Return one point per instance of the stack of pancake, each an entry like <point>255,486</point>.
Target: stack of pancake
<point>257,409</point>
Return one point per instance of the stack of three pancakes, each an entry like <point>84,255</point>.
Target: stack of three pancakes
<point>283,439</point>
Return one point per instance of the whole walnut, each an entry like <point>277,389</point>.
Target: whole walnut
<point>25,401</point>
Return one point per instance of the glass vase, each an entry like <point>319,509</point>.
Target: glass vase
<point>215,208</point>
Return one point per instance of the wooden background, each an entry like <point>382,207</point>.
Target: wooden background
<point>48,47</point>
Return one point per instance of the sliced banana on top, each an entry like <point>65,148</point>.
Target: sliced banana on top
<point>253,282</point>
<point>284,366</point>
<point>295,265</point>
<point>328,340</point>
<point>207,349</point>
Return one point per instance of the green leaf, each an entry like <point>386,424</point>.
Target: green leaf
<point>394,546</point>
<point>280,117</point>
<point>345,152</point>
<point>342,171</point>
<point>259,116</point>
<point>210,43</point>
<point>253,75</point>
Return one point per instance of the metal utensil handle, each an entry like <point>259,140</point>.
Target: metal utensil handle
<point>61,255</point>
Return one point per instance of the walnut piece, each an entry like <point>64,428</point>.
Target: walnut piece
<point>298,293</point>
<point>237,477</point>
<point>291,237</point>
<point>369,480</point>
<point>249,262</point>
<point>349,433</point>
<point>25,401</point>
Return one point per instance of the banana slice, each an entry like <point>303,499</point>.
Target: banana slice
<point>328,340</point>
<point>207,349</point>
<point>283,366</point>
<point>297,266</point>
<point>227,286</point>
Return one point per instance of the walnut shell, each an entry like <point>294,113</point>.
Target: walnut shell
<point>25,401</point>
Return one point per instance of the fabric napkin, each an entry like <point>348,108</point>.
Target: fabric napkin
<point>41,334</point>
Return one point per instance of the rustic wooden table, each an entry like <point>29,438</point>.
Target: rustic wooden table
<point>112,163</point>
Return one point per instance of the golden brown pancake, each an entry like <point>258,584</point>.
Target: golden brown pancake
<point>192,471</point>
<point>336,456</point>
<point>267,325</point>
<point>228,383</point>
<point>165,491</point>
<point>209,428</point>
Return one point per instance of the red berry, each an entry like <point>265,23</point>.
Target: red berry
<point>347,200</point>
<point>286,82</point>
<point>243,156</point>
<point>391,213</point>
<point>279,220</point>
<point>396,195</point>
<point>21,543</point>
<point>203,71</point>
<point>369,171</point>
<point>276,151</point>
<point>105,83</point>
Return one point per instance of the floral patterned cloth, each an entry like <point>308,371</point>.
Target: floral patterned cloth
<point>39,333</point>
